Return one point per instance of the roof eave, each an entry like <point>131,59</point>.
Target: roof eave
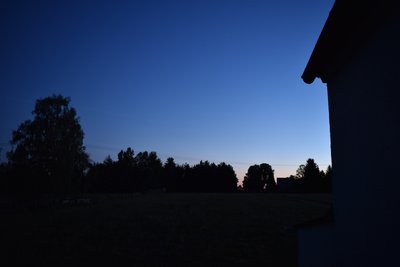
<point>318,60</point>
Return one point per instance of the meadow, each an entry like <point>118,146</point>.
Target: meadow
<point>158,229</point>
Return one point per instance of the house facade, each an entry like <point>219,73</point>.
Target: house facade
<point>358,56</point>
<point>285,184</point>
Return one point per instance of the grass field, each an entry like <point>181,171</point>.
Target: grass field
<point>161,230</point>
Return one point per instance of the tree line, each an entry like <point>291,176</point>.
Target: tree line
<point>145,171</point>
<point>308,179</point>
<point>48,156</point>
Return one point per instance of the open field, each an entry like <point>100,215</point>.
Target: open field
<point>161,230</point>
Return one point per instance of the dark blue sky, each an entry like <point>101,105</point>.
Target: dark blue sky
<point>195,80</point>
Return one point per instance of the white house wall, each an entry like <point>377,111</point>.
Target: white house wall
<point>364,103</point>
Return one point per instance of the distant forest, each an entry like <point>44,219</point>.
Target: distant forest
<point>48,156</point>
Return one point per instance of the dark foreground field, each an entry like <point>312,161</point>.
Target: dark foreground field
<point>158,229</point>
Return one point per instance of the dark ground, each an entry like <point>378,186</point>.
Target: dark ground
<point>157,229</point>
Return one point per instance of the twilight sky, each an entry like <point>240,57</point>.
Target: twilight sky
<point>195,80</point>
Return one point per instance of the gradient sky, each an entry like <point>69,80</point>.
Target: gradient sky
<point>195,80</point>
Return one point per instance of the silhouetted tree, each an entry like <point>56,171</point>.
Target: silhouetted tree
<point>312,176</point>
<point>202,177</point>
<point>225,179</point>
<point>101,177</point>
<point>267,177</point>
<point>126,157</point>
<point>172,176</point>
<point>125,172</point>
<point>149,170</point>
<point>309,177</point>
<point>311,170</point>
<point>108,161</point>
<point>328,172</point>
<point>199,178</point>
<point>48,153</point>
<point>300,171</point>
<point>252,181</point>
<point>259,178</point>
<point>327,180</point>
